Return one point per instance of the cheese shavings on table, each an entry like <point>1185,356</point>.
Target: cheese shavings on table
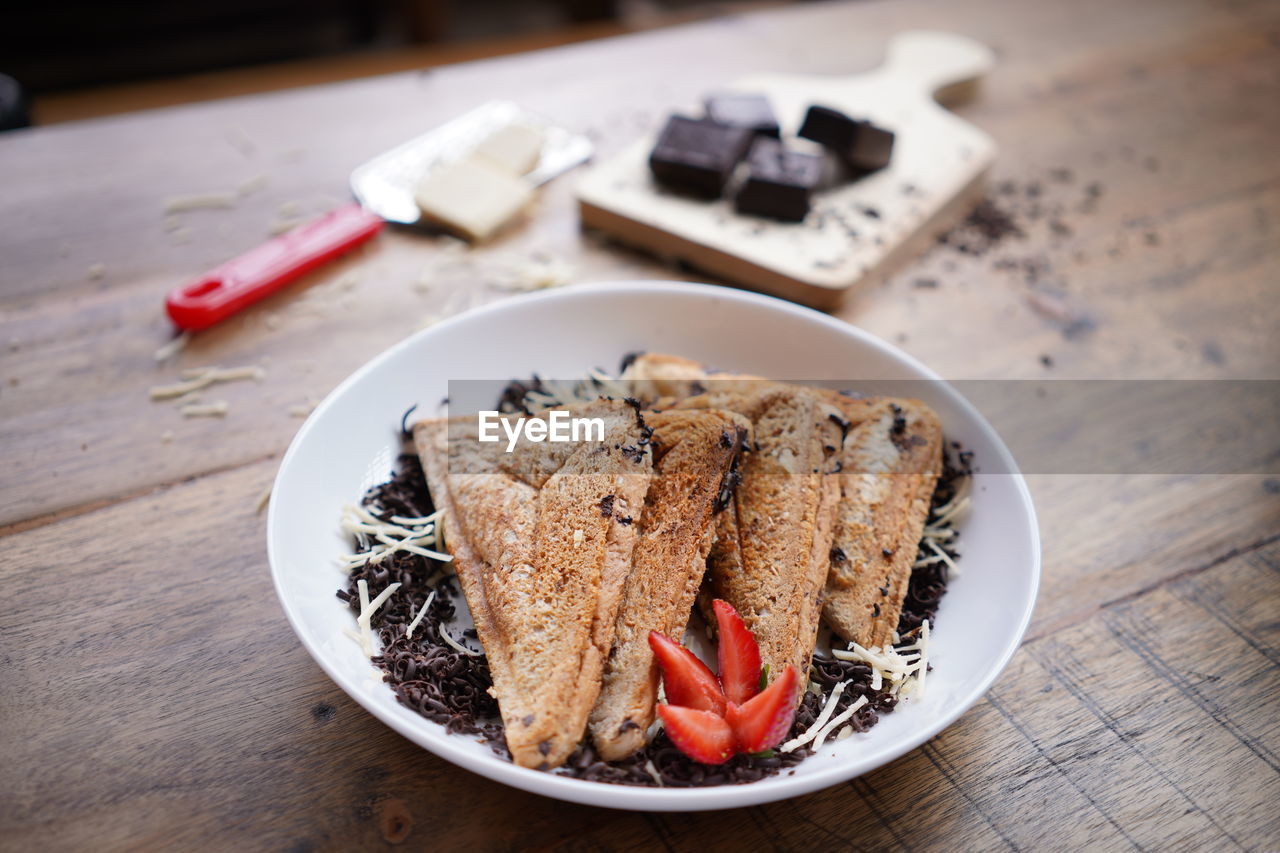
<point>201,377</point>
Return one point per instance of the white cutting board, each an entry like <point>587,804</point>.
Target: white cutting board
<point>938,165</point>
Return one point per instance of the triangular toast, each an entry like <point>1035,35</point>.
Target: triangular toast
<point>888,456</point>
<point>693,454</point>
<point>889,465</point>
<point>771,556</point>
<point>541,563</point>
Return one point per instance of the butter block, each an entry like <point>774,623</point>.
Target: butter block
<point>514,148</point>
<point>471,197</point>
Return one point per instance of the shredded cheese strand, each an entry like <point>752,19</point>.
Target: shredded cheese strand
<point>840,719</point>
<point>444,635</point>
<point>367,609</point>
<point>413,535</point>
<point>365,644</point>
<point>205,410</point>
<point>918,689</point>
<point>173,347</point>
<point>944,556</point>
<point>202,378</point>
<point>823,716</point>
<point>367,612</point>
<point>413,626</point>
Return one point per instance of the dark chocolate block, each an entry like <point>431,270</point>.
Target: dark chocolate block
<point>737,110</point>
<point>780,183</point>
<point>860,144</point>
<point>697,156</point>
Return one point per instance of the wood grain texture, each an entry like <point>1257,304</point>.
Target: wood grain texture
<point>152,695</point>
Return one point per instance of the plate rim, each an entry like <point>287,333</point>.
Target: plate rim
<point>630,797</point>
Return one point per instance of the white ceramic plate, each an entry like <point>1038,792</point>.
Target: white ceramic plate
<point>349,444</point>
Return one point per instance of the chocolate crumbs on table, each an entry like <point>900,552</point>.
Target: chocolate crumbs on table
<point>452,689</point>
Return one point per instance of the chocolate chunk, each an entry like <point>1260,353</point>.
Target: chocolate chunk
<point>742,110</point>
<point>780,183</point>
<point>696,156</point>
<point>860,144</point>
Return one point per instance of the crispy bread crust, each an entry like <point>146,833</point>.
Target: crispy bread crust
<point>886,481</point>
<point>772,558</point>
<point>543,598</point>
<point>888,474</point>
<point>693,453</point>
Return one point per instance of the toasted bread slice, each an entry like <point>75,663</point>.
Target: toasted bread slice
<point>890,459</point>
<point>541,564</point>
<point>771,557</point>
<point>693,455</point>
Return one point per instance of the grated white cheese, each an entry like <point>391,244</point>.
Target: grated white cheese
<point>166,436</point>
<point>282,226</point>
<point>97,271</point>
<point>444,635</point>
<point>173,347</point>
<point>263,499</point>
<point>539,272</point>
<point>918,689</point>
<point>943,556</point>
<point>652,770</point>
<point>241,141</point>
<point>902,667</point>
<point>426,519</point>
<point>390,537</point>
<point>252,185</point>
<point>426,605</point>
<point>840,719</point>
<point>578,538</point>
<point>824,715</point>
<point>206,410</point>
<point>952,508</point>
<point>200,201</point>
<point>202,377</point>
<point>366,645</point>
<point>367,609</point>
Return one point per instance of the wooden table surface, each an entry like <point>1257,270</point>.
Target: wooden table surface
<point>152,694</point>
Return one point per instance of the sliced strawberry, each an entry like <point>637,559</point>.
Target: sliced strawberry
<point>701,735</point>
<point>686,679</point>
<point>764,721</point>
<point>739,655</point>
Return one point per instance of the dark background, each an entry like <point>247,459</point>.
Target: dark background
<point>66,44</point>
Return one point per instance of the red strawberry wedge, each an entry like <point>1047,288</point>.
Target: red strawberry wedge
<point>686,680</point>
<point>701,735</point>
<point>762,722</point>
<point>739,655</point>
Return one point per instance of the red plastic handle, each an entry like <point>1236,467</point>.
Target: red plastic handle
<point>262,271</point>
